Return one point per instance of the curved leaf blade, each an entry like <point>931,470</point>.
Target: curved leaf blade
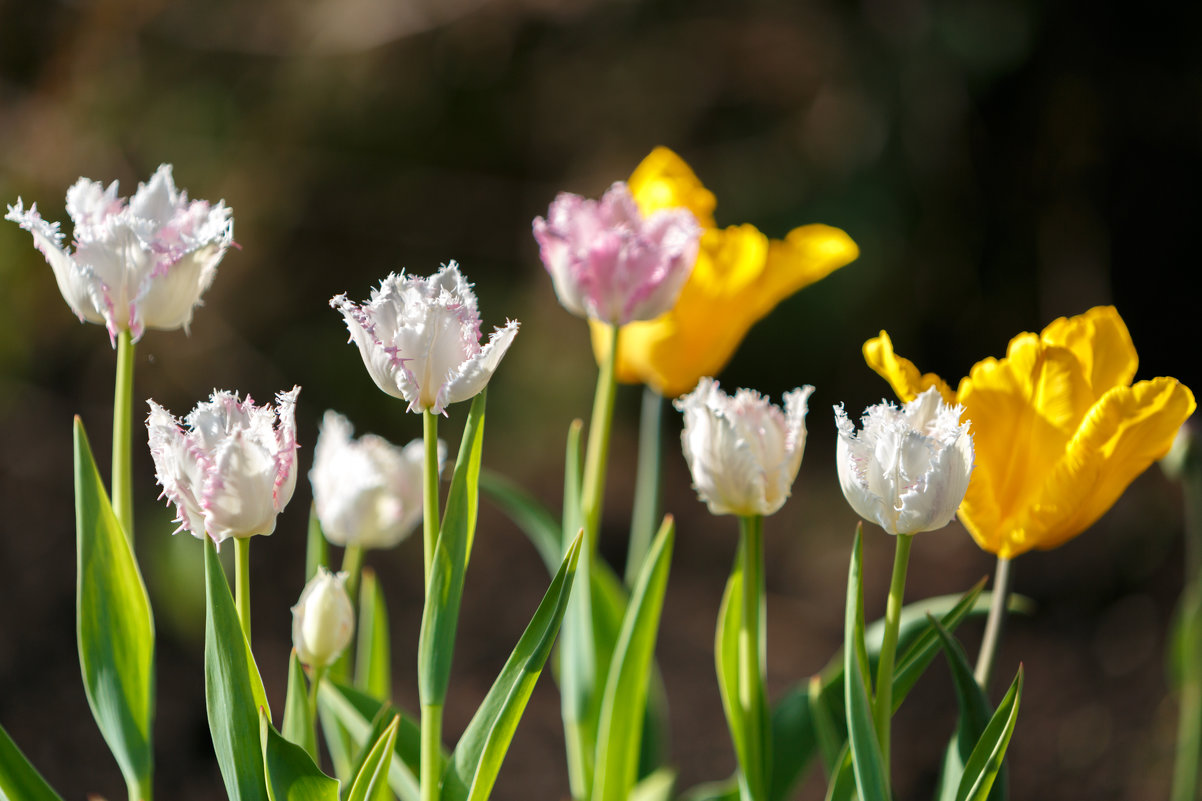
<point>373,660</point>
<point>19,780</point>
<point>986,759</point>
<point>355,712</point>
<point>289,769</point>
<point>298,725</point>
<point>866,759</point>
<point>374,771</point>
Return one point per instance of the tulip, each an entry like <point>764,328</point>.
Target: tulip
<point>610,263</point>
<point>234,468</point>
<point>908,469</point>
<point>743,452</point>
<point>367,492</point>
<point>322,620</point>
<point>420,339</point>
<point>137,264</point>
<point>739,277</point>
<point>1059,429</point>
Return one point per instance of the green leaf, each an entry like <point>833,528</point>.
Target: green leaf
<point>114,626</point>
<point>726,655</point>
<point>299,726</point>
<point>726,790</point>
<point>373,663</point>
<point>384,718</point>
<point>355,712</point>
<point>290,771</point>
<point>317,550</point>
<point>624,701</point>
<point>477,759</point>
<point>19,780</point>
<point>917,656</point>
<point>830,737</point>
<point>842,786</point>
<point>867,763</point>
<point>657,786</point>
<point>986,759</point>
<point>974,715</point>
<point>372,775</point>
<point>535,521</point>
<point>233,689</point>
<point>440,617</point>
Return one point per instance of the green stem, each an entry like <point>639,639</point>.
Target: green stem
<point>646,485</point>
<point>430,513</point>
<point>431,751</point>
<point>319,673</point>
<point>1188,656</point>
<point>140,791</point>
<point>242,582</point>
<point>752,699</point>
<point>994,624</point>
<point>352,565</point>
<point>123,393</point>
<point>597,452</point>
<point>1189,726</point>
<point>883,709</point>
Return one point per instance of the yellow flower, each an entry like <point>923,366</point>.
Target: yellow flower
<point>739,277</point>
<point>1059,429</point>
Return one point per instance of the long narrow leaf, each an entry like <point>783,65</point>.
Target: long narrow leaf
<point>298,726</point>
<point>290,770</point>
<point>624,702</point>
<point>477,758</point>
<point>867,763</point>
<point>986,759</point>
<point>373,661</point>
<point>726,656</point>
<point>974,717</point>
<point>655,787</point>
<point>233,689</point>
<point>19,780</point>
<point>842,785</point>
<point>385,717</point>
<point>114,626</point>
<point>375,767</point>
<point>539,526</point>
<point>355,712</point>
<point>440,618</point>
<point>917,656</point>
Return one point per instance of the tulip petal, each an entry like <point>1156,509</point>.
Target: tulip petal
<point>901,373</point>
<point>663,180</point>
<point>1101,342</point>
<point>475,372</point>
<point>806,255</point>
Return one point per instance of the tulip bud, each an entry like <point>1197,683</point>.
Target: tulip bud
<point>322,620</point>
<point>907,470</point>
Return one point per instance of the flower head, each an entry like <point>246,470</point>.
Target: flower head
<point>137,264</point>
<point>743,452</point>
<point>323,619</point>
<point>739,277</point>
<point>420,338</point>
<point>1059,430</point>
<point>610,263</point>
<point>908,468</point>
<point>367,492</point>
<point>234,467</point>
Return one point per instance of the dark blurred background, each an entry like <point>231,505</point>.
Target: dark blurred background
<point>1000,163</point>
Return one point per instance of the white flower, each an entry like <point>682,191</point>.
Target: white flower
<point>908,469</point>
<point>234,468</point>
<point>323,619</point>
<point>420,339</point>
<point>367,492</point>
<point>136,265</point>
<point>743,452</point>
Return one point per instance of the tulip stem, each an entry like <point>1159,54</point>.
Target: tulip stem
<point>319,673</point>
<point>242,582</point>
<point>431,752</point>
<point>123,392</point>
<point>994,624</point>
<point>1187,660</point>
<point>430,491</point>
<point>352,565</point>
<point>751,656</point>
<point>883,709</point>
<point>597,452</point>
<point>646,485</point>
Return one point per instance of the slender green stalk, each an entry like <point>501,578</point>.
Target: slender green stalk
<point>994,624</point>
<point>1188,653</point>
<point>1189,726</point>
<point>242,582</point>
<point>647,484</point>
<point>123,393</point>
<point>883,709</point>
<point>352,565</point>
<point>139,791</point>
<point>430,516</point>
<point>319,673</point>
<point>597,452</point>
<point>431,752</point>
<point>751,656</point>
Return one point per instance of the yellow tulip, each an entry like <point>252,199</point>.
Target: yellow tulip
<point>1060,431</point>
<point>740,275</point>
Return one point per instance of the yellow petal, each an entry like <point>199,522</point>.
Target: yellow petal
<point>1101,342</point>
<point>901,373</point>
<point>663,180</point>
<point>807,254</point>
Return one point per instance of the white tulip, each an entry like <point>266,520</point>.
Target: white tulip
<point>323,619</point>
<point>234,468</point>
<point>743,452</point>
<point>367,492</point>
<point>908,469</point>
